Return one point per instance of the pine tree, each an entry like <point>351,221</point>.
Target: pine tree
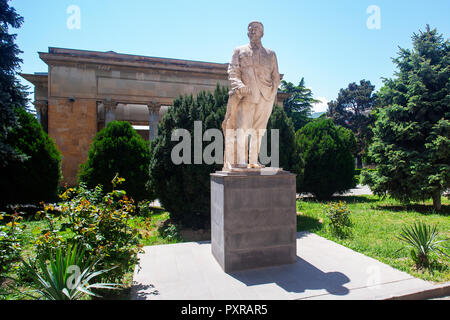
<point>12,93</point>
<point>412,133</point>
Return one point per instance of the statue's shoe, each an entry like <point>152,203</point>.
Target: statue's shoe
<point>256,166</point>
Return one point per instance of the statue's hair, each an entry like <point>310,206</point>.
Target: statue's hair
<point>256,22</point>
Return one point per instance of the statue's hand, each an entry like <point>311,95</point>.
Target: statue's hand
<point>244,91</point>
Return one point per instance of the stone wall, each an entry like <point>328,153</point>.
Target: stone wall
<point>73,126</point>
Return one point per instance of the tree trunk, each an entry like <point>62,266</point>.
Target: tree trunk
<point>358,162</point>
<point>437,200</point>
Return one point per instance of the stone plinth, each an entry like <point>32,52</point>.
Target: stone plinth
<point>253,219</point>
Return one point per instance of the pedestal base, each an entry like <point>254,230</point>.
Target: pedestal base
<point>253,219</point>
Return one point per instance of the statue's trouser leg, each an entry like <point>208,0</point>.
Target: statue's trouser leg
<point>244,121</point>
<point>229,152</point>
<point>260,119</point>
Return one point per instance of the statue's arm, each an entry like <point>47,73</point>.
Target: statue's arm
<point>275,74</point>
<point>234,72</point>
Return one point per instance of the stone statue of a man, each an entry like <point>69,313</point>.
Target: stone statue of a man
<point>254,77</point>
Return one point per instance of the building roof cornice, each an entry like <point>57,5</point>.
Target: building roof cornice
<point>61,55</point>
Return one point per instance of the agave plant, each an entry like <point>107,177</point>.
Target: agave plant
<point>66,276</point>
<point>422,239</point>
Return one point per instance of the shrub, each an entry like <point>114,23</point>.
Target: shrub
<point>117,149</point>
<point>35,179</point>
<point>290,157</point>
<point>10,244</point>
<point>169,231</point>
<point>338,216</point>
<point>184,189</point>
<point>329,163</point>
<point>99,226</point>
<point>365,176</point>
<point>422,240</point>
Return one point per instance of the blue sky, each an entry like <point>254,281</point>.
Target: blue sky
<point>325,41</point>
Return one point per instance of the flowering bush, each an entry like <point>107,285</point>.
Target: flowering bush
<point>338,215</point>
<point>10,246</point>
<point>99,224</point>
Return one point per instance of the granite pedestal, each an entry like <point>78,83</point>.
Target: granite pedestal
<point>253,219</point>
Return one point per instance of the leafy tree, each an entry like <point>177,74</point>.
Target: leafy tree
<point>117,149</point>
<point>298,106</point>
<point>184,189</point>
<point>329,164</point>
<point>352,110</point>
<point>12,93</point>
<point>412,133</point>
<point>35,179</point>
<point>290,157</point>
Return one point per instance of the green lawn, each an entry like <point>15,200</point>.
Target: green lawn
<point>376,222</point>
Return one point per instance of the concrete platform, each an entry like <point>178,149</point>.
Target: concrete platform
<point>324,270</point>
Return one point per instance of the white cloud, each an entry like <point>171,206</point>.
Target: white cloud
<point>321,106</point>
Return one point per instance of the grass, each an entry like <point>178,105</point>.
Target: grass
<point>151,227</point>
<point>376,223</point>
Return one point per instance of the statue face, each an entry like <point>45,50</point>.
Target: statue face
<point>255,32</point>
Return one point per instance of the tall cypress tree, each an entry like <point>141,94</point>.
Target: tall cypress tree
<point>12,93</point>
<point>412,133</point>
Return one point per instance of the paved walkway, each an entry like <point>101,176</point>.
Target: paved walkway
<point>324,270</point>
<point>358,191</point>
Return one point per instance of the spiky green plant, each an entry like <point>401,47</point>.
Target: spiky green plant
<point>422,239</point>
<point>66,275</point>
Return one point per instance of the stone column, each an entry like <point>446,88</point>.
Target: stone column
<point>153,110</point>
<point>42,111</point>
<point>110,109</point>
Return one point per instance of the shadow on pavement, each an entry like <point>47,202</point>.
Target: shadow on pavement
<point>142,292</point>
<point>296,278</point>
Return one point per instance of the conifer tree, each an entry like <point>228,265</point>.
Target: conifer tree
<point>12,93</point>
<point>291,159</point>
<point>329,163</point>
<point>411,145</point>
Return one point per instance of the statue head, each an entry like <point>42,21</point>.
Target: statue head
<point>255,31</point>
